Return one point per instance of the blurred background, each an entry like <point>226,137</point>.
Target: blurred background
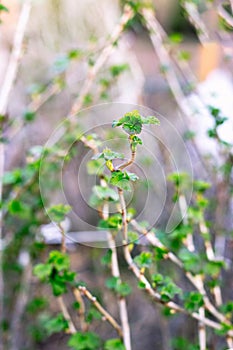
<point>180,73</point>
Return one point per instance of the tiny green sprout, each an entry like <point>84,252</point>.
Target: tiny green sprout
<point>132,122</point>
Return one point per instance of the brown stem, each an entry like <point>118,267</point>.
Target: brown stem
<point>81,309</point>
<point>66,315</point>
<point>195,280</point>
<point>100,308</point>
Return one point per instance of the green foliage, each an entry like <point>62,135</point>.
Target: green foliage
<point>193,301</point>
<point>132,122</point>
<point>121,288</point>
<point>55,324</point>
<point>122,179</point>
<point>165,286</point>
<point>116,70</point>
<point>107,258</point>
<point>3,8</point>
<point>84,341</point>
<point>58,212</point>
<point>144,259</point>
<point>106,193</point>
<point>56,272</point>
<point>191,261</point>
<point>29,116</point>
<point>113,222</point>
<point>114,344</point>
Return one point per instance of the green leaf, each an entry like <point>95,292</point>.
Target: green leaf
<point>213,268</point>
<point>122,179</point>
<point>144,259</point>
<point>107,258</point>
<point>116,70</point>
<point>93,314</point>
<point>191,261</point>
<point>55,325</point>
<point>29,116</point>
<point>106,193</point>
<point>114,344</point>
<point>84,341</point>
<point>58,212</point>
<point>95,166</point>
<point>176,38</point>
<point>42,271</point>
<point>150,120</point>
<point>201,186</point>
<point>111,282</point>
<point>3,8</point>
<point>59,260</point>
<point>108,154</point>
<point>36,305</point>
<point>123,289</point>
<point>113,222</point>
<point>193,301</point>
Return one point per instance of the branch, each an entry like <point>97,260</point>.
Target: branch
<point>196,20</point>
<point>15,56</point>
<point>78,104</point>
<point>116,273</point>
<point>66,315</point>
<point>195,280</point>
<point>100,308</point>
<point>225,15</point>
<point>8,82</point>
<point>81,309</point>
<point>156,296</point>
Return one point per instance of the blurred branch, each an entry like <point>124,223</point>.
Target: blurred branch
<point>78,104</point>
<point>66,315</point>
<point>21,301</point>
<point>195,18</point>
<point>81,309</point>
<point>7,85</point>
<point>224,14</point>
<point>99,307</point>
<point>195,280</point>
<point>15,56</point>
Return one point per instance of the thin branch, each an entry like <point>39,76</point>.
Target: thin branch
<point>188,242</point>
<point>225,15</point>
<point>99,307</point>
<point>66,315</point>
<point>196,20</point>
<point>78,104</point>
<point>15,56</point>
<point>81,309</point>
<point>7,85</point>
<point>195,280</point>
<point>116,273</point>
<point>157,298</point>
<point>129,162</point>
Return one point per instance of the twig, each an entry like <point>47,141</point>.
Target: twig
<point>195,280</point>
<point>81,309</point>
<point>188,242</point>
<point>7,85</point>
<point>196,20</point>
<point>116,273</point>
<point>21,301</point>
<point>100,308</point>
<point>156,296</point>
<point>13,64</point>
<point>66,315</point>
<point>78,104</point>
<point>225,15</point>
